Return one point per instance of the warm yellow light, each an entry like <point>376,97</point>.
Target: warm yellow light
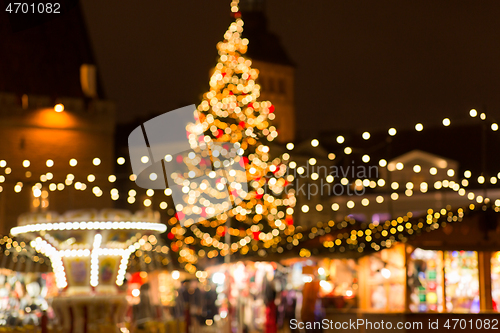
<point>340,139</point>
<point>59,107</point>
<point>314,143</point>
<point>96,161</point>
<point>446,122</point>
<point>473,113</point>
<point>392,131</point>
<point>26,163</point>
<point>73,162</point>
<point>366,135</point>
<point>419,127</point>
<point>494,127</point>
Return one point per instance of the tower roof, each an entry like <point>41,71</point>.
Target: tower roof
<point>44,59</point>
<point>264,45</point>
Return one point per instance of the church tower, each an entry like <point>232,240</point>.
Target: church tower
<point>277,71</point>
<point>54,120</point>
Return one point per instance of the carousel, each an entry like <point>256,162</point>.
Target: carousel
<point>89,252</point>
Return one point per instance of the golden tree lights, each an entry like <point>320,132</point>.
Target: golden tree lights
<point>233,117</point>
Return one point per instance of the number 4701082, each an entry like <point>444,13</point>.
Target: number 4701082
<point>479,324</point>
<point>33,8</point>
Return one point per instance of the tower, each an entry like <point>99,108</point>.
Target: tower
<point>277,71</point>
<point>44,66</point>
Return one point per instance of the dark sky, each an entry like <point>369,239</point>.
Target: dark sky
<point>360,64</point>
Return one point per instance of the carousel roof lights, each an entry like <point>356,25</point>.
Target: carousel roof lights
<point>94,261</point>
<point>91,225</point>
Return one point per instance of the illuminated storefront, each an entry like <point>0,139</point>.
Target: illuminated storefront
<point>495,280</point>
<point>382,280</point>
<point>425,281</point>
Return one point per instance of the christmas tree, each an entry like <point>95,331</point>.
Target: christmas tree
<point>232,116</point>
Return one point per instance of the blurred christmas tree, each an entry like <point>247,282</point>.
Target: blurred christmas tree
<point>232,117</point>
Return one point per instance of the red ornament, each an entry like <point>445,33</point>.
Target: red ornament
<point>170,236</point>
<point>219,133</point>
<point>242,124</point>
<point>179,159</point>
<point>179,215</point>
<point>271,109</point>
<point>289,220</point>
<point>256,235</point>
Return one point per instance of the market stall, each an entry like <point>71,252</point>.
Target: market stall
<point>24,297</point>
<point>382,280</point>
<point>495,280</point>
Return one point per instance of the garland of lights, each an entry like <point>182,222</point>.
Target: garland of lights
<point>190,257</point>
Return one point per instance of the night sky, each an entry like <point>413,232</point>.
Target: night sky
<point>360,64</point>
